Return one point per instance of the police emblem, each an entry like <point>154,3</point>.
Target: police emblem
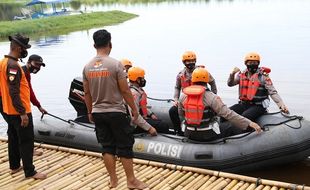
<point>11,77</point>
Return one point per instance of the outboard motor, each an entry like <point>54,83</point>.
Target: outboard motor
<point>76,96</point>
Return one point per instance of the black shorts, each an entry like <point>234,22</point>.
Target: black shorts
<point>114,133</point>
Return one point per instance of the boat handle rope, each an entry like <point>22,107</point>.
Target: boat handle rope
<point>67,121</point>
<point>264,128</point>
<point>162,100</point>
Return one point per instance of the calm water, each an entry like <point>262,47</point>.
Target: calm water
<point>220,32</point>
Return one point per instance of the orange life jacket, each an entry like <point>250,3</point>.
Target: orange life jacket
<point>251,88</point>
<point>185,82</point>
<point>24,93</point>
<point>142,100</point>
<point>196,113</point>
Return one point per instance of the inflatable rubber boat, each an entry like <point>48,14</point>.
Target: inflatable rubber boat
<point>285,139</point>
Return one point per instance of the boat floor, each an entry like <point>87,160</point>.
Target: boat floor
<point>69,168</point>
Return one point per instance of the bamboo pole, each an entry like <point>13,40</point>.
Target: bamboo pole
<point>222,184</point>
<point>238,185</point>
<point>244,186</point>
<point>214,183</point>
<point>251,187</point>
<point>192,182</point>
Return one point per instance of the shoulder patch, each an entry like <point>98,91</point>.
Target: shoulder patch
<point>13,71</point>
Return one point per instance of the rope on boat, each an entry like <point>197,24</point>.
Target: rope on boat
<point>264,128</point>
<point>162,100</point>
<point>70,121</point>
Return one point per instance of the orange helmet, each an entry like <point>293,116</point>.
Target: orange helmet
<point>200,75</point>
<point>126,62</point>
<point>135,72</point>
<point>188,55</point>
<point>252,57</point>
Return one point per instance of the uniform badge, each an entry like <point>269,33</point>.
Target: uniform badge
<point>11,77</point>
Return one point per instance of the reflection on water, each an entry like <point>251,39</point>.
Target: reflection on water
<point>49,40</point>
<point>220,32</point>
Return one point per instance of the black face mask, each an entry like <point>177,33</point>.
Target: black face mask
<point>252,68</point>
<point>190,66</point>
<point>33,69</point>
<point>23,53</point>
<point>142,82</point>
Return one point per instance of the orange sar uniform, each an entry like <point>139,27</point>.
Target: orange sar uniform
<point>16,101</point>
<point>183,80</point>
<point>199,106</point>
<point>254,92</point>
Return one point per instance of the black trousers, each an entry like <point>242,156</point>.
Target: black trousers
<point>174,116</point>
<point>159,125</point>
<point>250,111</point>
<point>1,110</point>
<point>20,144</point>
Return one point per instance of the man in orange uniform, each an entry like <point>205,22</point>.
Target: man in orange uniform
<point>255,87</point>
<point>184,80</point>
<point>16,105</point>
<point>200,107</point>
<point>136,84</point>
<point>105,86</point>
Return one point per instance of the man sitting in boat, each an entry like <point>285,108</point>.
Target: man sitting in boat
<point>254,95</point>
<point>200,107</point>
<point>183,80</point>
<point>136,83</point>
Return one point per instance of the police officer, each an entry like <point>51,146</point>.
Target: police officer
<point>33,65</point>
<point>136,83</point>
<point>105,86</point>
<point>127,64</point>
<point>184,80</point>
<point>200,107</point>
<point>16,105</point>
<point>255,87</point>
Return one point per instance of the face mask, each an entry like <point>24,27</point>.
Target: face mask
<point>33,69</point>
<point>23,53</point>
<point>142,82</point>
<point>190,66</point>
<point>252,68</point>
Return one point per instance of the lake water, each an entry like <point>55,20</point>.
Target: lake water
<point>220,32</point>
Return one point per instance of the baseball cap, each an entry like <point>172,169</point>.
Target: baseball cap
<point>38,59</point>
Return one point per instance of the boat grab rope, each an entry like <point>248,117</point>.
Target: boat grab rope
<point>290,118</point>
<point>66,121</point>
<point>264,128</point>
<point>162,100</point>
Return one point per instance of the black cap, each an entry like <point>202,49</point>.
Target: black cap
<point>21,40</point>
<point>38,59</point>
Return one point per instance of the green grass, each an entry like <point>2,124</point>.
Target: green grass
<point>63,24</point>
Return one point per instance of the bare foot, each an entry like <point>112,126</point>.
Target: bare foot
<point>113,184</point>
<point>16,170</point>
<point>137,184</point>
<point>38,176</point>
<point>37,153</point>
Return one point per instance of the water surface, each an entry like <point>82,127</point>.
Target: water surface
<point>220,32</point>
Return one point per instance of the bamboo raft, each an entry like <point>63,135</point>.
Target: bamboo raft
<point>69,168</point>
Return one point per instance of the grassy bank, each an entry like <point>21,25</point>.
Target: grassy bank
<point>63,24</point>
